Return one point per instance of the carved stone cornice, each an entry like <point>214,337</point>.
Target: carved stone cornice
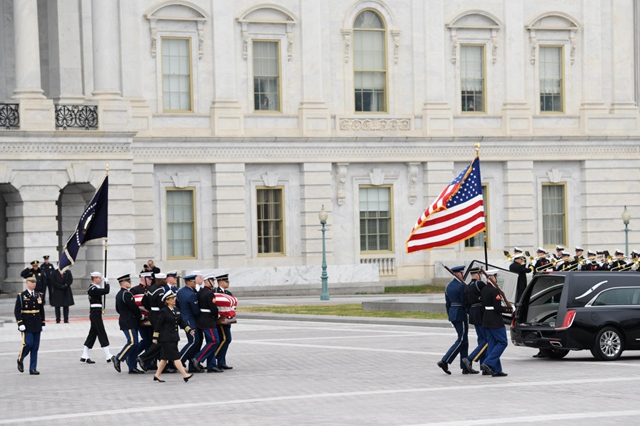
<point>66,147</point>
<point>374,124</point>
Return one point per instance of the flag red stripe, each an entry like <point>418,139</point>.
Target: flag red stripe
<point>446,215</point>
<point>441,243</point>
<point>455,225</point>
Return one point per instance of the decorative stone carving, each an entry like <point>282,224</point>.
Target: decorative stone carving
<point>454,46</point>
<point>346,35</point>
<point>270,179</point>
<point>377,177</point>
<point>477,21</point>
<point>275,16</point>
<point>534,45</point>
<point>412,172</point>
<point>555,175</point>
<point>342,180</point>
<point>375,124</point>
<point>572,41</point>
<point>154,41</point>
<point>79,173</point>
<point>395,34</point>
<point>553,26</point>
<point>245,43</point>
<point>494,46</point>
<point>181,180</point>
<point>200,41</point>
<point>176,10</point>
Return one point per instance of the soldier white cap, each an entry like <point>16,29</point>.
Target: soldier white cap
<point>96,274</point>
<point>619,252</point>
<point>209,277</point>
<point>145,275</point>
<point>591,253</point>
<point>578,248</point>
<point>517,250</point>
<point>559,248</point>
<point>161,276</point>
<point>491,272</point>
<point>541,250</point>
<point>168,295</point>
<point>518,256</point>
<point>566,253</point>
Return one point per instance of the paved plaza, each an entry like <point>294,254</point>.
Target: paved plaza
<point>314,373</point>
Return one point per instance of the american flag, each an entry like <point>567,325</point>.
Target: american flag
<point>457,213</point>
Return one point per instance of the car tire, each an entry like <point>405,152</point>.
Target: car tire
<point>557,353</point>
<point>608,345</point>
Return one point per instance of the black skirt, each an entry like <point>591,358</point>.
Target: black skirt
<point>169,351</point>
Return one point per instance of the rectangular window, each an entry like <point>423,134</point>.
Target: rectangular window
<point>472,78</point>
<point>553,214</point>
<point>551,79</point>
<point>370,77</point>
<point>181,223</point>
<point>270,220</point>
<point>266,75</point>
<point>477,241</point>
<point>375,218</point>
<point>176,74</point>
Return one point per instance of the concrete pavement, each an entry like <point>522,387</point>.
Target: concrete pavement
<point>313,373</point>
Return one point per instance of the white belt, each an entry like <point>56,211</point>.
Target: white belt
<point>488,308</point>
<point>205,310</point>
<point>95,305</point>
<point>155,309</point>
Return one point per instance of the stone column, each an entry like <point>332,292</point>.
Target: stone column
<point>315,190</point>
<point>227,117</point>
<point>516,112</point>
<point>36,112</point>
<point>113,112</point>
<point>519,209</point>
<point>437,115</point>
<point>229,216</point>
<point>314,113</point>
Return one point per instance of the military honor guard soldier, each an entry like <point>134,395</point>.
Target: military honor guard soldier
<point>34,271</point>
<point>97,330</point>
<point>472,293</point>
<point>494,326</point>
<point>226,303</point>
<point>155,295</point>
<point>187,302</point>
<point>206,322</point>
<point>456,305</point>
<point>29,313</point>
<point>129,321</point>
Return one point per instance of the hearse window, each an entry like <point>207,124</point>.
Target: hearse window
<point>544,300</point>
<point>618,296</point>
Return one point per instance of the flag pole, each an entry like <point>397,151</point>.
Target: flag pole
<point>104,296</point>
<point>486,253</point>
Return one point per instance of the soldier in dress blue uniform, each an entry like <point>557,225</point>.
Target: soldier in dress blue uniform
<point>97,330</point>
<point>155,296</point>
<point>472,293</point>
<point>129,321</point>
<point>494,328</point>
<point>29,313</point>
<point>187,298</point>
<point>456,304</point>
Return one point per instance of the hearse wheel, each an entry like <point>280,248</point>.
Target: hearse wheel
<point>555,353</point>
<point>608,345</point>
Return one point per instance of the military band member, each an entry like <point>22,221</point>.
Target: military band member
<point>97,330</point>
<point>35,271</point>
<point>603,265</point>
<point>541,262</point>
<point>635,258</point>
<point>590,263</point>
<point>456,305</point>
<point>29,313</point>
<point>207,323</point>
<point>564,263</point>
<point>619,262</point>
<point>129,321</point>
<point>559,251</point>
<point>187,299</point>
<point>472,293</point>
<point>519,267</point>
<point>165,334</point>
<point>226,303</point>
<point>494,329</point>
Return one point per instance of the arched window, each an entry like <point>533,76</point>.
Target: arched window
<point>370,62</point>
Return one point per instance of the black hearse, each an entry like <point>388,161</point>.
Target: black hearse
<point>599,311</point>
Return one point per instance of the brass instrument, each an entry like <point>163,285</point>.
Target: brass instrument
<point>551,264</point>
<point>623,266</point>
<point>509,257</point>
<point>531,258</point>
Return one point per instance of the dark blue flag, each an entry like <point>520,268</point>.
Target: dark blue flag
<point>92,225</point>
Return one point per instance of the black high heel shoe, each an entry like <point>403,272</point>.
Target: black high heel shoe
<point>186,379</point>
<point>155,379</point>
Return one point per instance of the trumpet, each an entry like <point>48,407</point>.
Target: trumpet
<point>551,264</point>
<point>624,266</point>
<point>531,258</point>
<point>508,255</point>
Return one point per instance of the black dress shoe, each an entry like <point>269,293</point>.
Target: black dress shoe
<point>141,364</point>
<point>87,360</point>
<point>34,372</point>
<point>499,374</point>
<point>186,379</point>
<point>66,321</point>
<point>109,359</point>
<point>155,379</point>
<point>468,367</point>
<point>116,363</point>
<point>195,364</point>
<point>136,371</point>
<point>20,366</point>
<point>57,321</point>
<point>484,373</point>
<point>467,371</point>
<point>487,369</point>
<point>225,367</point>
<point>214,370</point>
<point>444,366</point>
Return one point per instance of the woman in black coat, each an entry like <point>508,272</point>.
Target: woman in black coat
<point>165,332</point>
<point>61,296</point>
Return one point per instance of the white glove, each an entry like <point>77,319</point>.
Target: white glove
<point>106,280</point>
<point>21,327</point>
<point>44,328</point>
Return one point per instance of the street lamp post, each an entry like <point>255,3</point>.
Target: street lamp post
<point>324,277</point>
<point>626,218</point>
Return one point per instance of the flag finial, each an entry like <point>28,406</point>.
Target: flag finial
<point>477,147</point>
<point>107,168</point>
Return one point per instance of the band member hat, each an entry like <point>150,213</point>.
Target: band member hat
<point>223,277</point>
<point>160,276</point>
<point>96,274</point>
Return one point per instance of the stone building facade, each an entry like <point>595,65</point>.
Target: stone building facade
<point>227,126</point>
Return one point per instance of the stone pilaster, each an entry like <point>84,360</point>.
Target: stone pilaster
<point>145,232</point>
<point>315,191</point>
<point>437,115</point>
<point>519,212</point>
<point>121,249</point>
<point>36,112</point>
<point>623,62</point>
<point>229,215</point>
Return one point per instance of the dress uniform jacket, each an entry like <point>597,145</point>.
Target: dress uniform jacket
<point>166,327</point>
<point>61,294</point>
<point>493,309</point>
<point>456,302</point>
<point>208,309</point>
<point>540,262</point>
<point>472,293</point>
<point>95,295</point>
<point>29,311</point>
<point>187,302</point>
<point>522,272</point>
<point>128,310</point>
<point>154,295</point>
